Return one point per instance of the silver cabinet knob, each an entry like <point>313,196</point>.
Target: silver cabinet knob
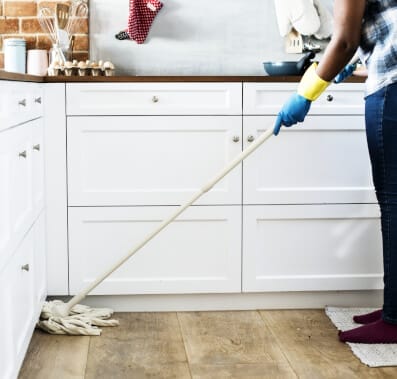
<point>330,98</point>
<point>22,102</point>
<point>25,267</point>
<point>236,139</point>
<point>250,138</point>
<point>37,100</point>
<point>36,147</point>
<point>22,154</point>
<point>155,99</point>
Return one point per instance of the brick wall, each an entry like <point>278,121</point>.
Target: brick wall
<point>18,18</point>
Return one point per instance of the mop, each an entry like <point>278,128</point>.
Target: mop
<point>58,317</point>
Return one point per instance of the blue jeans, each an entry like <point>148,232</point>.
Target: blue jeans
<point>381,128</point>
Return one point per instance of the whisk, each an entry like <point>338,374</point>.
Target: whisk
<point>48,23</point>
<point>79,10</point>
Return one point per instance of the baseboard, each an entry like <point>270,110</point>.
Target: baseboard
<point>246,301</point>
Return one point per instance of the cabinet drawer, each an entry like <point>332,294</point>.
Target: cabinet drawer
<point>200,252</point>
<point>312,248</point>
<point>143,160</point>
<point>154,98</point>
<point>266,98</point>
<point>20,103</point>
<point>324,160</point>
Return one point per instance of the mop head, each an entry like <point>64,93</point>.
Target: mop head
<point>81,320</point>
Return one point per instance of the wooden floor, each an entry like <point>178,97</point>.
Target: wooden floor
<point>244,344</point>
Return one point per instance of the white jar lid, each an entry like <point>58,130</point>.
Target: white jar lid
<point>14,42</point>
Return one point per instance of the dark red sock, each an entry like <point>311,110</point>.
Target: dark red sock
<point>376,332</point>
<point>369,317</point>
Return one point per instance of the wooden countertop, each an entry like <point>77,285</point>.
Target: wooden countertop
<point>131,79</point>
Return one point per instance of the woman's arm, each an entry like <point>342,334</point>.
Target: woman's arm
<point>348,16</point>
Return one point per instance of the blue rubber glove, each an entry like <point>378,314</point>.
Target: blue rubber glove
<point>293,111</point>
<point>345,73</point>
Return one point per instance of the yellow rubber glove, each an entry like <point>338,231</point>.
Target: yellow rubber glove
<point>311,85</point>
<point>297,106</point>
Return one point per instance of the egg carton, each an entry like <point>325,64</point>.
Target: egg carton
<point>82,68</point>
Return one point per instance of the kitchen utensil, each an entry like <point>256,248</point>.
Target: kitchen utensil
<point>48,23</point>
<point>56,315</point>
<point>78,10</point>
<point>62,15</point>
<point>293,42</point>
<point>289,67</point>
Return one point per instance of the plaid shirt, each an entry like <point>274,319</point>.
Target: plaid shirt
<point>378,47</point>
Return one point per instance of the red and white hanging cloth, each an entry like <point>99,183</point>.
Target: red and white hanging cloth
<point>142,14</point>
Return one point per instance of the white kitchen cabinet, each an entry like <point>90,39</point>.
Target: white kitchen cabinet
<point>324,160</point>
<point>151,160</point>
<point>22,225</point>
<point>311,248</point>
<point>310,218</point>
<point>133,151</point>
<point>200,252</point>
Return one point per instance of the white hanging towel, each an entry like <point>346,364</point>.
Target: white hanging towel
<point>308,17</point>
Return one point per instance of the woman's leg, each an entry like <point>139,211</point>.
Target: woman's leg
<point>381,127</point>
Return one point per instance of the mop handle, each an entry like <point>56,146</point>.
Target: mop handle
<point>245,153</point>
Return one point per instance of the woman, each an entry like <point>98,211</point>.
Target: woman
<point>372,26</point>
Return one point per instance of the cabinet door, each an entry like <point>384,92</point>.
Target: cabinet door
<point>6,154</point>
<point>323,161</point>
<point>18,307</point>
<point>198,253</point>
<point>311,248</point>
<point>7,344</point>
<point>22,214</point>
<point>151,160</point>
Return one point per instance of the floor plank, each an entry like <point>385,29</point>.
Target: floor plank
<point>242,371</point>
<point>145,345</point>
<point>230,342</point>
<point>310,342</point>
<point>55,357</point>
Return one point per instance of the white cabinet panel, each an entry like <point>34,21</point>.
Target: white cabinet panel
<point>18,307</point>
<point>21,191</point>
<point>324,160</point>
<point>7,344</point>
<point>6,157</point>
<point>56,188</point>
<point>311,248</point>
<point>145,160</point>
<point>37,153</point>
<point>154,98</point>
<point>40,264</point>
<point>198,253</point>
<point>268,98</point>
